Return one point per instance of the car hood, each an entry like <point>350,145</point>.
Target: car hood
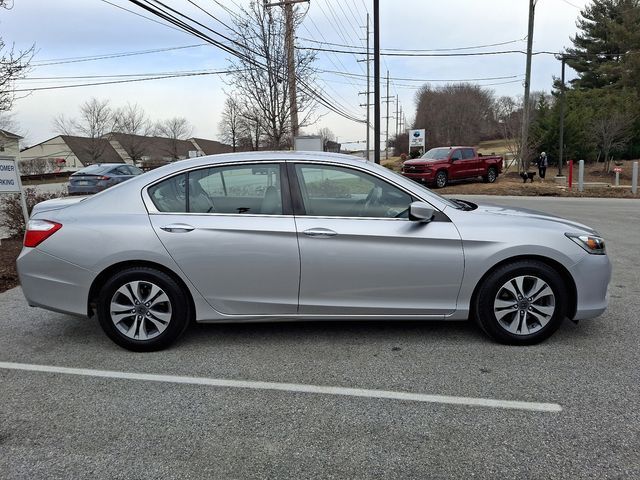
<point>424,161</point>
<point>489,209</point>
<point>56,204</point>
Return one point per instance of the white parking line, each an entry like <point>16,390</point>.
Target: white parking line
<point>290,387</point>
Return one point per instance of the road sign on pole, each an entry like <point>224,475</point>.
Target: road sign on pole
<point>10,182</point>
<point>417,139</point>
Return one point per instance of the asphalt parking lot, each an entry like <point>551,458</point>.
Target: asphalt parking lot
<point>65,425</point>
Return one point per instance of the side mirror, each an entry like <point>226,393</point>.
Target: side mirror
<point>421,212</point>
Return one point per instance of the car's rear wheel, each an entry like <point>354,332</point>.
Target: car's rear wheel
<point>491,176</point>
<point>143,309</point>
<point>521,303</point>
<point>441,179</point>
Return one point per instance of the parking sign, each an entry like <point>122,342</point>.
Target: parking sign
<point>9,181</point>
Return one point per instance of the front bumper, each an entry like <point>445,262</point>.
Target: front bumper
<point>592,275</point>
<point>419,176</point>
<point>52,283</point>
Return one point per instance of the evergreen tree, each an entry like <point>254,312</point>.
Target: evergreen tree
<point>607,47</point>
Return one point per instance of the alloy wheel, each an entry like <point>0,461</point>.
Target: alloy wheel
<point>140,310</point>
<point>524,305</point>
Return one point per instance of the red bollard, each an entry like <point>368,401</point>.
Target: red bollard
<point>570,174</point>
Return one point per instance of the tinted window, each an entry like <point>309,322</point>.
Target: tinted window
<point>253,189</point>
<point>341,192</point>
<point>94,170</point>
<point>467,153</point>
<point>121,170</point>
<point>457,155</point>
<point>170,195</point>
<point>135,170</point>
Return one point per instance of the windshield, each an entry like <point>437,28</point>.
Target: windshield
<point>94,170</point>
<point>437,154</point>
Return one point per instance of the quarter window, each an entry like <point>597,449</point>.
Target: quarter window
<point>341,192</point>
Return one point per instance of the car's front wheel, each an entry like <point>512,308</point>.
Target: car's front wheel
<point>143,309</point>
<point>521,303</point>
<point>441,179</point>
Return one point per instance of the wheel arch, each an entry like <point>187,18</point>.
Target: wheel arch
<point>105,274</point>
<point>557,266</point>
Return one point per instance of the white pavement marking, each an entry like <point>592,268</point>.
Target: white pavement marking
<point>290,387</point>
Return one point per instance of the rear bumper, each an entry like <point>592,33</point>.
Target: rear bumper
<point>591,275</point>
<point>84,189</point>
<point>52,283</point>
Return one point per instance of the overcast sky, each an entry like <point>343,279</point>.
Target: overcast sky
<point>75,28</point>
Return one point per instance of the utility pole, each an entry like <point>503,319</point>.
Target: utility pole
<point>397,117</point>
<point>386,139</point>
<point>527,87</point>
<point>376,79</point>
<point>562,107</point>
<point>368,93</point>
<point>289,41</point>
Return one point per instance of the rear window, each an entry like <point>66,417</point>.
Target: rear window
<point>94,170</point>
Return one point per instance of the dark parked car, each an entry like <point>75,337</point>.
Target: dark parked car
<point>98,177</point>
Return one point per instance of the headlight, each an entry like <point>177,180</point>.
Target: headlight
<point>591,243</point>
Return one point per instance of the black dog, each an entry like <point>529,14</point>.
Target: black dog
<point>527,176</point>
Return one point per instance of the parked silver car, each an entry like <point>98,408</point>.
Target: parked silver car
<point>304,236</point>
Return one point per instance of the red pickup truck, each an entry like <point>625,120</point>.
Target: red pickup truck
<point>442,164</point>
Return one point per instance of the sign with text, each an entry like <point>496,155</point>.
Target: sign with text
<point>9,181</point>
<point>417,138</point>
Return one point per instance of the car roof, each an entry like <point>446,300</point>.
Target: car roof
<point>259,157</point>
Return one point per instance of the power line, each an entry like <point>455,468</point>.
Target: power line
<point>420,49</point>
<point>140,15</point>
<point>413,54</point>
<point>57,87</point>
<point>88,58</point>
<point>405,79</point>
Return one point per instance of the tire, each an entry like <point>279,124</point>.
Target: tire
<point>441,179</point>
<point>491,176</point>
<point>140,325</point>
<point>527,321</point>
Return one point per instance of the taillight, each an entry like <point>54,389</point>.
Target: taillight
<point>105,178</point>
<point>38,231</point>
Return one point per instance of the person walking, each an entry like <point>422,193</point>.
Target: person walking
<point>543,163</point>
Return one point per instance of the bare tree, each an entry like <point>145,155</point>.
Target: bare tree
<point>14,65</point>
<point>132,121</point>
<point>261,74</point>
<point>459,113</point>
<point>231,122</point>
<point>509,115</point>
<point>175,130</point>
<point>613,131</point>
<point>95,123</point>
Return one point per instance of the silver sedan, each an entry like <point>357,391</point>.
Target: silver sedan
<point>304,236</point>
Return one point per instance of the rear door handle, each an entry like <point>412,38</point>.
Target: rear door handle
<point>320,233</point>
<point>178,228</point>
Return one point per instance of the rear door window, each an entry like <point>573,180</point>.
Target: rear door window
<point>467,153</point>
<point>240,189</point>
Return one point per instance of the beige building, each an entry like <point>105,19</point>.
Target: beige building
<point>73,153</point>
<point>9,144</point>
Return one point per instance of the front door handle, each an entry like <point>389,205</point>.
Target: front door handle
<point>178,228</point>
<point>320,233</point>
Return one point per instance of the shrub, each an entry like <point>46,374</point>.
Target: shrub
<point>11,218</point>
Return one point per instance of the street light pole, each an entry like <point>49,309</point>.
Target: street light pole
<point>562,110</point>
